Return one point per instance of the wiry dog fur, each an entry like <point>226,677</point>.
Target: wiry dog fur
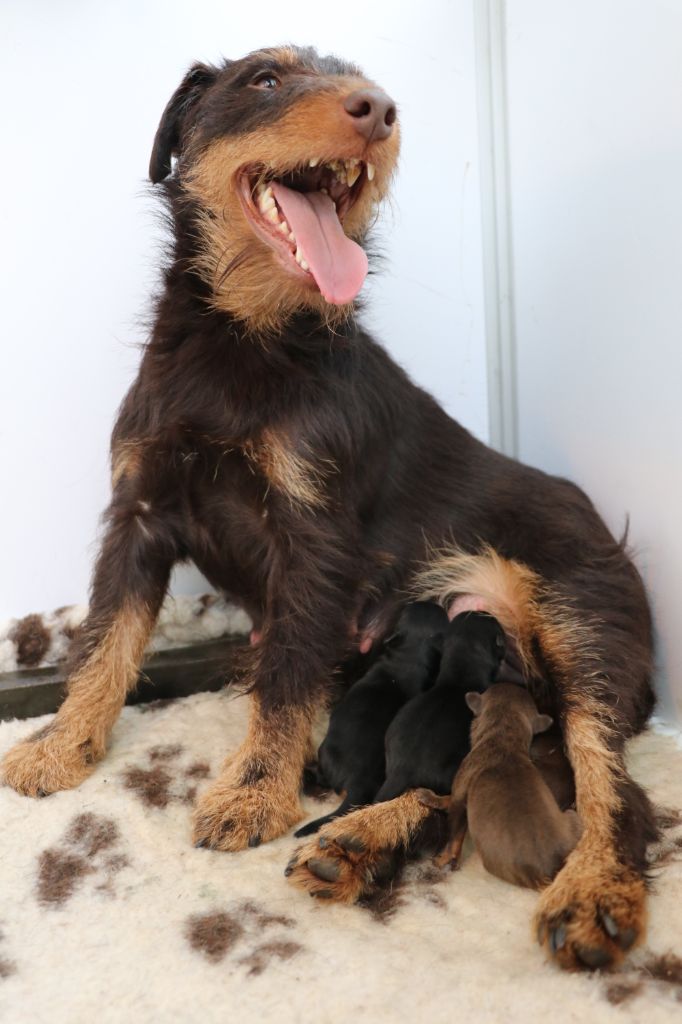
<point>269,439</point>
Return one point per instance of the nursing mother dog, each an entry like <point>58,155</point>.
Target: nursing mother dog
<point>269,439</point>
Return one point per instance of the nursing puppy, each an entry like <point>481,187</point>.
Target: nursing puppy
<point>499,794</point>
<point>351,756</point>
<point>429,737</point>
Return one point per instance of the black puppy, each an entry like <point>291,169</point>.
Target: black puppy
<point>351,756</point>
<point>429,737</point>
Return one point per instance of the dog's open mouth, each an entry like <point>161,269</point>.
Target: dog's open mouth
<point>300,214</point>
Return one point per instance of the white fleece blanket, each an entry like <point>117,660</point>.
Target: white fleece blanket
<point>109,914</point>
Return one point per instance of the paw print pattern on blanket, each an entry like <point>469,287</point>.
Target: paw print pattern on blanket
<point>88,851</point>
<point>218,933</point>
<point>163,781</point>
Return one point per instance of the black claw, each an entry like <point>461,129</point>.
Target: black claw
<point>610,926</point>
<point>327,870</point>
<point>557,938</point>
<point>351,844</point>
<point>593,957</point>
<point>289,869</point>
<point>200,842</point>
<point>323,843</point>
<point>41,793</point>
<point>323,894</point>
<point>255,841</point>
<point>627,937</point>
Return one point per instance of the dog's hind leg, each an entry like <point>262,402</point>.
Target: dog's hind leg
<point>130,580</point>
<point>353,852</point>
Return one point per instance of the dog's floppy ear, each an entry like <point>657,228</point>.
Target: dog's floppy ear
<point>167,137</point>
<point>474,701</point>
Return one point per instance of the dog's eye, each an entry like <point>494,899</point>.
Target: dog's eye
<point>266,81</point>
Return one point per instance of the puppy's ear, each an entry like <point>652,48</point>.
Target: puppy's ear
<point>167,138</point>
<point>541,723</point>
<point>475,701</point>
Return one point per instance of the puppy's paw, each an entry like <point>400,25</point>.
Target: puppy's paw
<point>47,762</point>
<point>590,916</point>
<point>230,816</point>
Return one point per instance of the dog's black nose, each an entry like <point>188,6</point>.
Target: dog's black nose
<point>373,113</point>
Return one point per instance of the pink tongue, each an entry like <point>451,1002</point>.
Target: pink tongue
<point>338,264</point>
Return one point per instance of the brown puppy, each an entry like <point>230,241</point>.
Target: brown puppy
<point>514,820</point>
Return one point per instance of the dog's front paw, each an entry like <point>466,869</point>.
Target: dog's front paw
<point>47,762</point>
<point>591,915</point>
<point>232,816</point>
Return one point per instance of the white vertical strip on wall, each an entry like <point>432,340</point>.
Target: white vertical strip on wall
<point>490,27</point>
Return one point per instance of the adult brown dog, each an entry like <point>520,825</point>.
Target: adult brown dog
<point>271,441</point>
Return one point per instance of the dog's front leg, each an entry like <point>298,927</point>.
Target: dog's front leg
<point>304,635</point>
<point>130,580</point>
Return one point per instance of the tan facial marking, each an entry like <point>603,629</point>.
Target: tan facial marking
<point>245,274</point>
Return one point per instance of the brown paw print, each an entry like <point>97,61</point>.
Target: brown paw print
<point>164,781</point>
<point>88,850</point>
<point>221,932</point>
<point>653,972</point>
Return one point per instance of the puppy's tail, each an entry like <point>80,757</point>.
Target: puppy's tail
<point>314,826</point>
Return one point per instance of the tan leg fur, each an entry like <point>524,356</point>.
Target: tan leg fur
<point>256,796</point>
<point>62,754</point>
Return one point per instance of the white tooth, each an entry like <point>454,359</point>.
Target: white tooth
<point>283,227</point>
<point>314,162</point>
<point>353,175</point>
<point>304,265</point>
<point>272,215</point>
<point>371,169</point>
<point>260,189</point>
<point>292,236</point>
<point>325,190</point>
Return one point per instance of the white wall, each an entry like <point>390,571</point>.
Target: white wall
<point>595,116</point>
<point>84,85</point>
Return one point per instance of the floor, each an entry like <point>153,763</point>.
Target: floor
<point>107,912</point>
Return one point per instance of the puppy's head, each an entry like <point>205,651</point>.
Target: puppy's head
<point>282,158</point>
<point>506,702</point>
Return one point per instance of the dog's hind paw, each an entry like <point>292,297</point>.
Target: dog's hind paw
<point>47,762</point>
<point>357,853</point>
<point>589,919</point>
